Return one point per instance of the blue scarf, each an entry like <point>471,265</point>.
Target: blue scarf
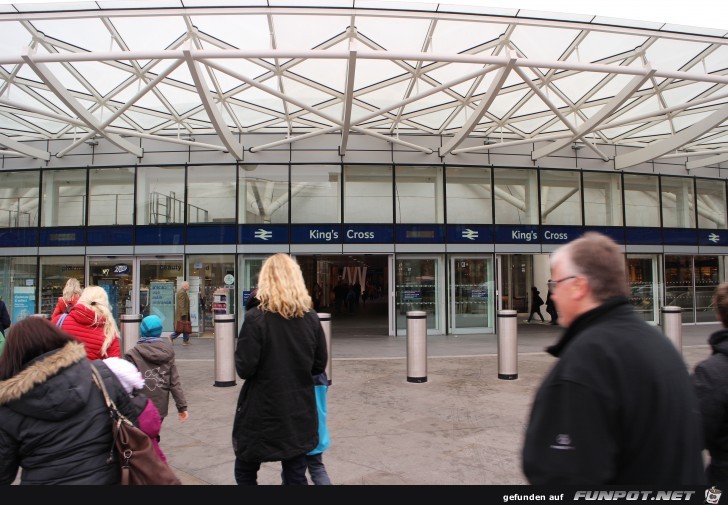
<point>146,340</point>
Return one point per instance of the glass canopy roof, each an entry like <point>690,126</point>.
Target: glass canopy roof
<point>173,69</point>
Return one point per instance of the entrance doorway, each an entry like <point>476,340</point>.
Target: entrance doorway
<point>138,285</point>
<point>353,288</point>
<point>517,273</point>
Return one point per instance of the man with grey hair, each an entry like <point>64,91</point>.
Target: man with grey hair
<point>618,407</point>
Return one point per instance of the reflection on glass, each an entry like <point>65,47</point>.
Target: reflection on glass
<point>64,198</point>
<point>211,194</point>
<point>711,204</point>
<point>111,196</point>
<point>473,288</point>
<point>418,195</point>
<point>160,195</point>
<point>516,196</point>
<point>157,288</point>
<point>417,289</point>
<point>368,190</point>
<point>561,197</point>
<point>602,199</point>
<point>469,195</point>
<point>643,285</point>
<point>115,275</point>
<point>678,207</point>
<point>640,200</point>
<point>263,194</point>
<point>19,199</point>
<point>316,194</point>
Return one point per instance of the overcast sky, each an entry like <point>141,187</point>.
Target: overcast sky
<point>701,13</point>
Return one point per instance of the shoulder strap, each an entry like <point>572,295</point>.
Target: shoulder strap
<point>59,323</point>
<point>68,306</point>
<point>113,410</point>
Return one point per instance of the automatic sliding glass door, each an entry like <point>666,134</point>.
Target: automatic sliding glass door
<point>471,295</point>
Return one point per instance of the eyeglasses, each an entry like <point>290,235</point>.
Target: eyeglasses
<point>552,284</point>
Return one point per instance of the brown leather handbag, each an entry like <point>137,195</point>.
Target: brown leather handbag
<point>183,326</point>
<point>139,463</point>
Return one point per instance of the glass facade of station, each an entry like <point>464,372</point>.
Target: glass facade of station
<point>459,242</point>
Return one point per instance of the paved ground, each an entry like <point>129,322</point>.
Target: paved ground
<point>462,426</point>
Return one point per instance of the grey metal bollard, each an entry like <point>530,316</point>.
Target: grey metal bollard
<point>224,350</point>
<point>416,346</point>
<point>672,325</point>
<point>44,316</point>
<point>507,344</point>
<point>129,331</point>
<point>325,319</point>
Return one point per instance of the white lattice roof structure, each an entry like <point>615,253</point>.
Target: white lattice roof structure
<point>176,69</point>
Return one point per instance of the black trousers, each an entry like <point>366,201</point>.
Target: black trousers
<point>293,471</point>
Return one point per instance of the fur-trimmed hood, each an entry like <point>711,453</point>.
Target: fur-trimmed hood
<point>53,386</point>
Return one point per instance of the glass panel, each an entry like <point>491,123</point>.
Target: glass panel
<point>640,200</point>
<point>418,195</point>
<point>602,199</point>
<point>209,277</point>
<point>18,286</point>
<point>678,202</point>
<point>708,271</point>
<point>469,195</point>
<point>679,285</point>
<point>54,272</point>
<point>263,194</point>
<point>368,191</point>
<point>316,194</point>
<point>643,283</point>
<point>711,204</point>
<point>417,288</point>
<point>561,197</point>
<point>516,274</point>
<point>472,285</point>
<point>115,275</point>
<point>160,195</point>
<point>19,199</point>
<point>64,198</point>
<point>516,196</point>
<point>111,196</point>
<point>248,268</point>
<point>157,289</point>
<point>211,195</point>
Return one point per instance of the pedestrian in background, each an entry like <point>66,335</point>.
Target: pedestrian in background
<point>154,358</point>
<point>4,317</point>
<point>711,384</point>
<point>182,311</point>
<point>91,321</point>
<point>551,308</point>
<point>618,407</point>
<point>536,302</point>
<point>71,294</point>
<point>54,423</point>
<point>280,347</point>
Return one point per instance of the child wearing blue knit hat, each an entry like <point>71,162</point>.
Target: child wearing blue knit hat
<point>150,329</point>
<point>154,357</point>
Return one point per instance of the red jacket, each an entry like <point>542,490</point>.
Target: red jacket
<point>61,306</point>
<point>80,323</point>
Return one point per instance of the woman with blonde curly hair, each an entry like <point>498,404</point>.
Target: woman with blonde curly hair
<point>281,346</point>
<point>90,320</point>
<point>71,293</point>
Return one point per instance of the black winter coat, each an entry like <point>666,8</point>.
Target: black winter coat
<point>711,384</point>
<point>54,423</point>
<point>617,408</point>
<point>276,416</point>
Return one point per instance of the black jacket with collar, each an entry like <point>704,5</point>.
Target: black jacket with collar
<point>54,423</point>
<point>711,384</point>
<point>276,416</point>
<point>617,408</point>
